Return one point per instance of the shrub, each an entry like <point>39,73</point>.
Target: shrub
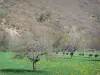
<point>96,55</point>
<point>63,53</point>
<point>67,53</point>
<point>90,55</point>
<point>81,54</point>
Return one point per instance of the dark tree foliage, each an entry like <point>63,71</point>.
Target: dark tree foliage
<point>96,55</point>
<point>67,53</point>
<point>81,54</point>
<point>90,55</point>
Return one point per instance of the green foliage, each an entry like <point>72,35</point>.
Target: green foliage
<point>61,40</point>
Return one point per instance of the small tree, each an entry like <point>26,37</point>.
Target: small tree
<point>31,48</point>
<point>61,43</point>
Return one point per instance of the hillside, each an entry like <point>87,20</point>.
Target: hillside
<point>78,19</point>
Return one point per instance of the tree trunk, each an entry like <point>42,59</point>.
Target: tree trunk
<point>34,67</point>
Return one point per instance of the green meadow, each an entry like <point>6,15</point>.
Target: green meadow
<point>60,65</point>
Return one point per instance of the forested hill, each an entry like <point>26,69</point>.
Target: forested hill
<point>76,21</point>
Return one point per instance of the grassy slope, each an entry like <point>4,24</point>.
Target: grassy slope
<point>63,65</point>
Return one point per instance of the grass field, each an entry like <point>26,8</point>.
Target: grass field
<point>62,65</point>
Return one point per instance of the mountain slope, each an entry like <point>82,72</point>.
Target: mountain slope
<point>73,17</point>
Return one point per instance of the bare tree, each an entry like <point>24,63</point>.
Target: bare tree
<point>32,47</point>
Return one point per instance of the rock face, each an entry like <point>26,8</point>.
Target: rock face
<point>80,19</point>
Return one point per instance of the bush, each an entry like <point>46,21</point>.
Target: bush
<point>96,55</point>
<point>90,55</point>
<point>63,53</point>
<point>56,52</point>
<point>67,53</point>
<point>81,54</point>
